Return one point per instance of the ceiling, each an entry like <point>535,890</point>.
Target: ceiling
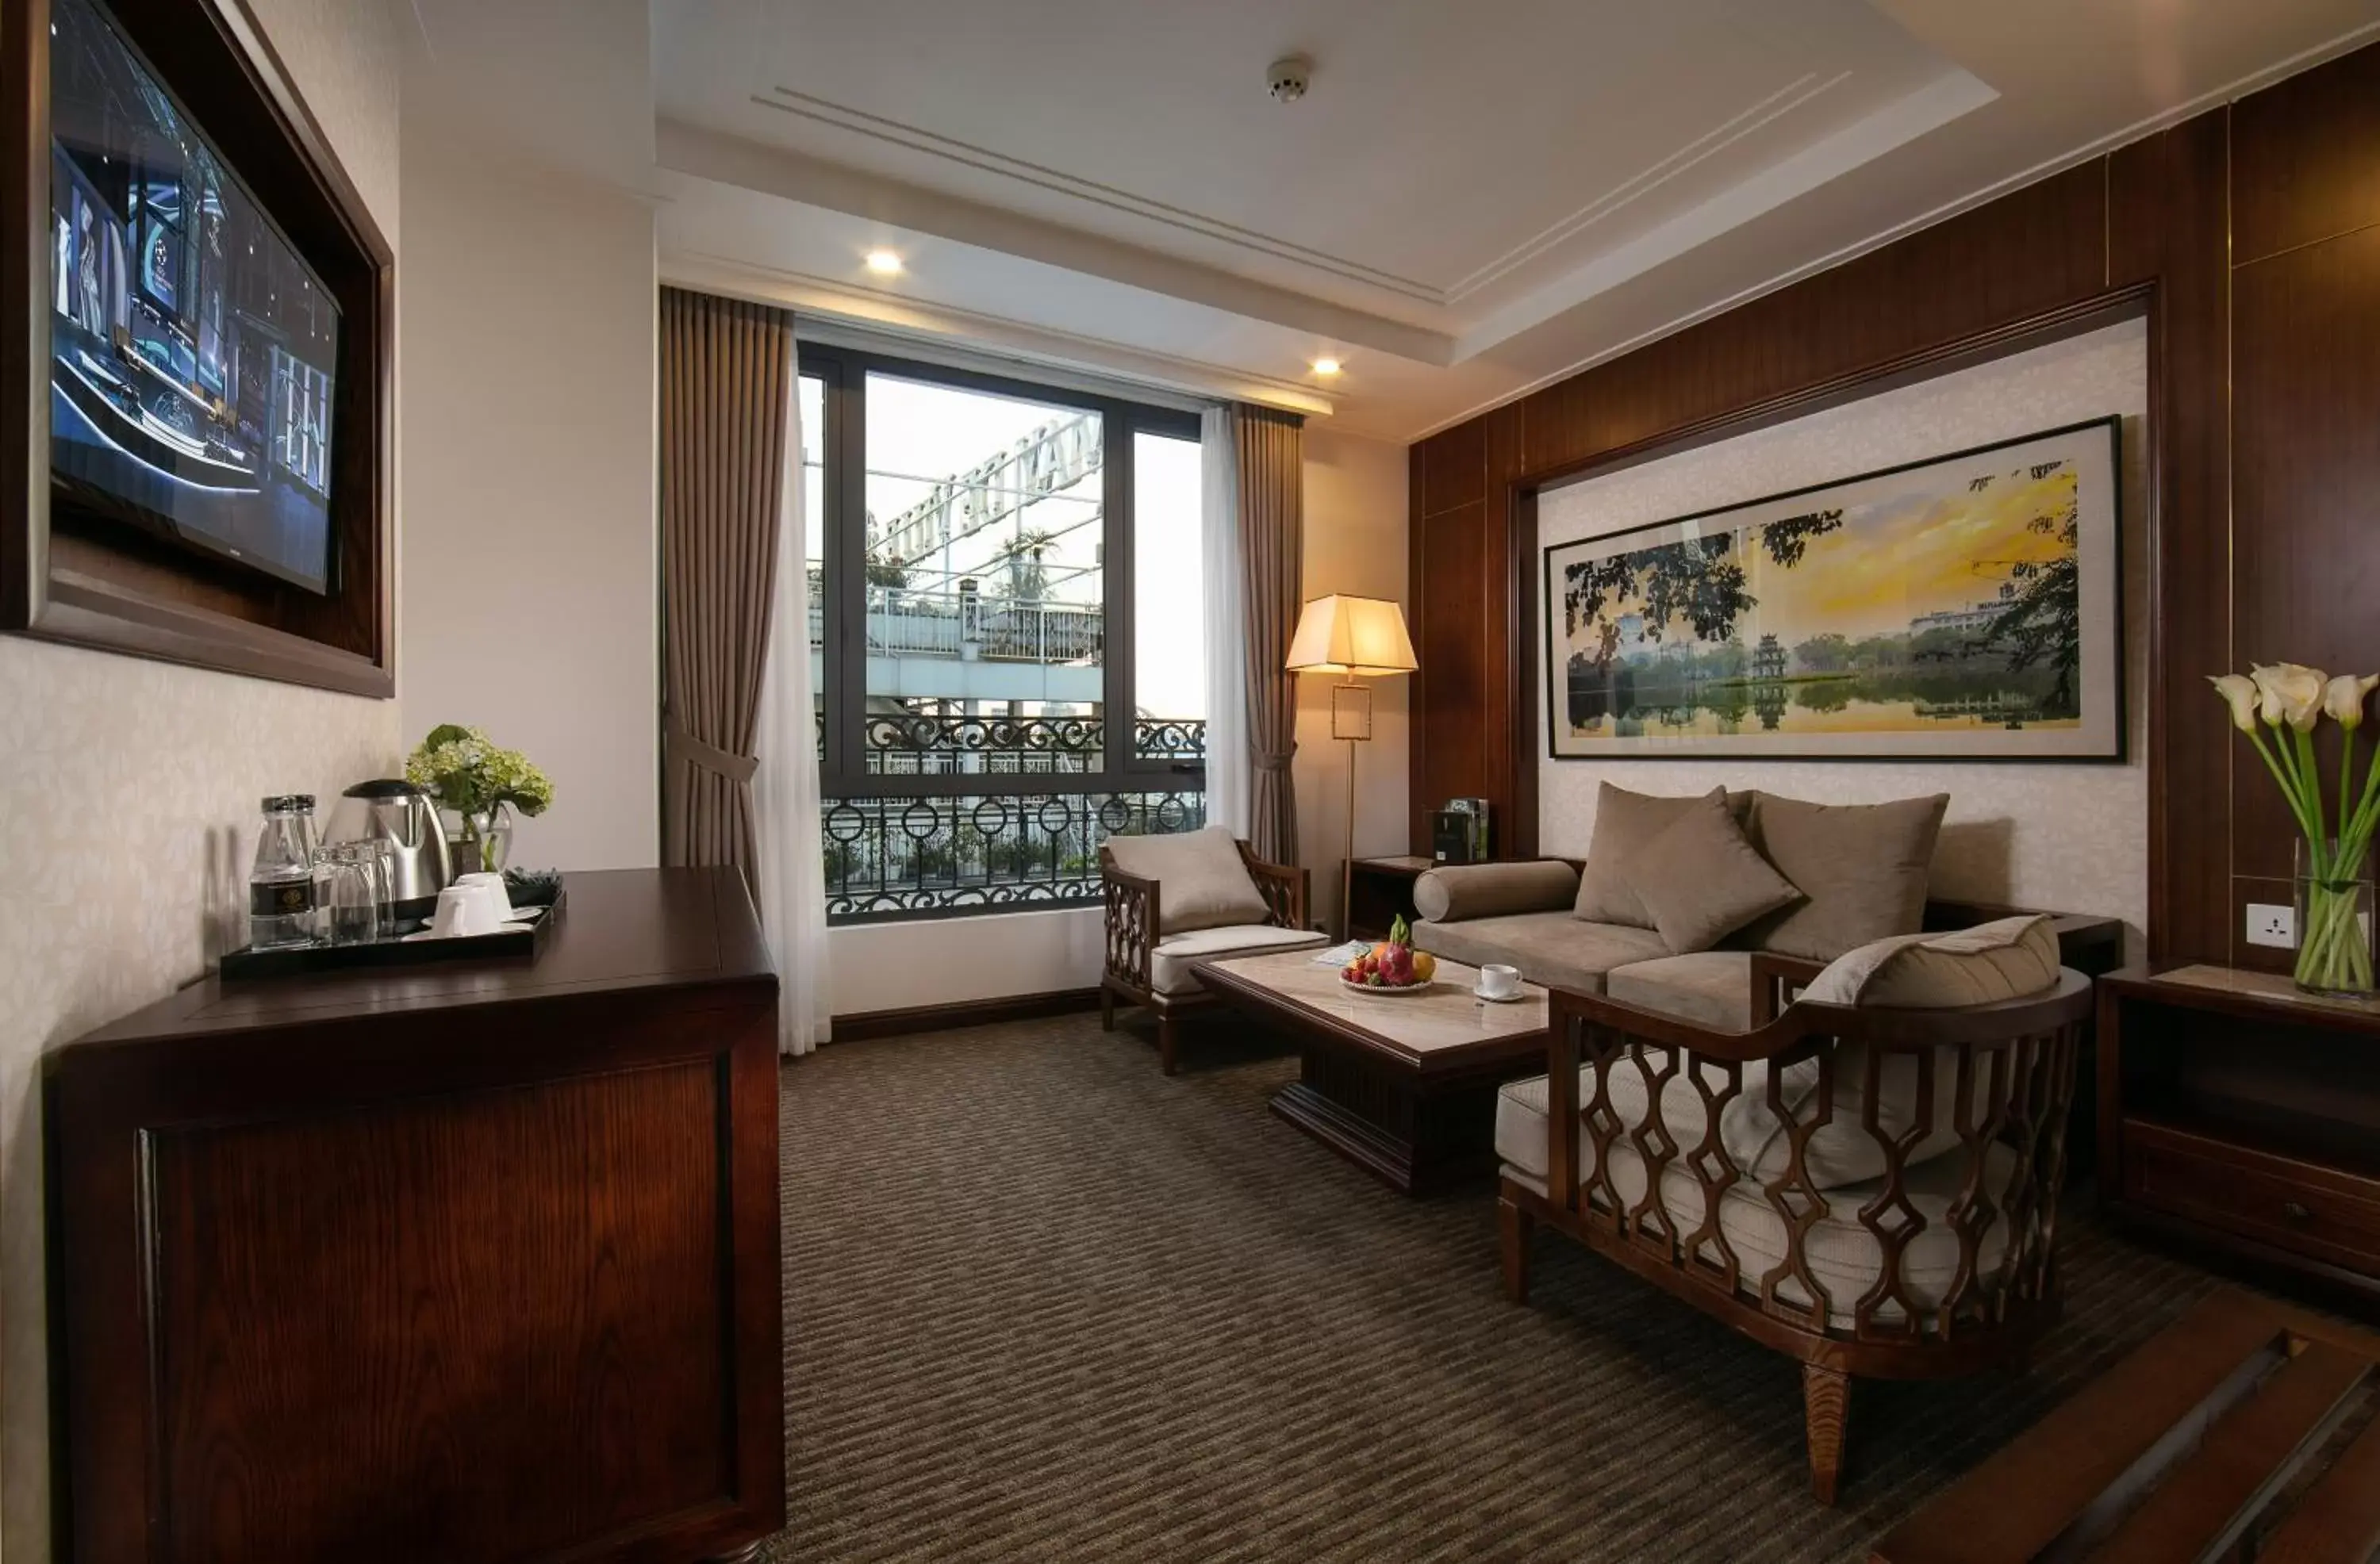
<point>1470,201</point>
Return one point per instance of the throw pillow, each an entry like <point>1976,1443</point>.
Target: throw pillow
<point>1201,883</point>
<point>1625,822</point>
<point>1701,881</point>
<point>2008,959</point>
<point>1861,868</point>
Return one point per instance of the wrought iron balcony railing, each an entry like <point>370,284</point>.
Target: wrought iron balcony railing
<point>912,857</point>
<point>926,745</point>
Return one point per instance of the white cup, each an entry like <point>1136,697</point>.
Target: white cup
<point>463,911</point>
<point>1499,982</point>
<point>493,887</point>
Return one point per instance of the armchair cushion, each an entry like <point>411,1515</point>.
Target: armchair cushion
<point>1201,881</point>
<point>1753,1138</point>
<point>1861,866</point>
<point>2008,959</point>
<point>1172,964</point>
<point>1701,881</point>
<point>1843,1254</point>
<point>1710,989</point>
<point>1469,890</point>
<point>1551,949</point>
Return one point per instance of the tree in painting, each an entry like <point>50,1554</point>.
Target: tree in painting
<point>1698,580</point>
<point>2043,624</point>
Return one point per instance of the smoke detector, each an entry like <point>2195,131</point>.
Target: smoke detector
<point>1287,78</point>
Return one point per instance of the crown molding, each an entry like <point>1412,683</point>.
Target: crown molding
<point>984,159</point>
<point>960,333</point>
<point>701,154</point>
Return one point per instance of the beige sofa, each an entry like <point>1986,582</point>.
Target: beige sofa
<point>1855,874</point>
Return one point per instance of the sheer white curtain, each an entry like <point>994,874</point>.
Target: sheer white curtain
<point>786,785</point>
<point>1223,594</point>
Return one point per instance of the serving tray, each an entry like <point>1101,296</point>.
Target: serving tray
<point>526,936</point>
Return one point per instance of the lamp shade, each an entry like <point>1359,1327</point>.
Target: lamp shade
<point>1344,634</point>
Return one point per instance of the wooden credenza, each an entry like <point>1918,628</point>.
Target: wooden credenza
<point>454,1263</point>
<point>2243,1118</point>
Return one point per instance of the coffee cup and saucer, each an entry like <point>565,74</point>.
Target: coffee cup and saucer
<point>474,906</point>
<point>1498,984</point>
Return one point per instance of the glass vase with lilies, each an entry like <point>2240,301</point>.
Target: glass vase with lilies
<point>2279,706</point>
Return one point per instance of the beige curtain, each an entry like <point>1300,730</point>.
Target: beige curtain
<point>1271,452</point>
<point>726,370</point>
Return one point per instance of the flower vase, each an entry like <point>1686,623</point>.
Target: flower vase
<point>485,842</point>
<point>2333,922</point>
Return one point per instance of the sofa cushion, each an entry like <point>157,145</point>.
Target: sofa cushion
<point>1701,881</point>
<point>1862,869</point>
<point>1551,949</point>
<point>1469,890</point>
<point>1710,989</point>
<point>1624,823</point>
<point>2007,959</point>
<point>1171,965</point>
<point>1843,1254</point>
<point>1201,881</point>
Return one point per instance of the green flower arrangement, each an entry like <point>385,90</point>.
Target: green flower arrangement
<point>464,771</point>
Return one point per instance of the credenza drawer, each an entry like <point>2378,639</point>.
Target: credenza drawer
<point>2317,1211</point>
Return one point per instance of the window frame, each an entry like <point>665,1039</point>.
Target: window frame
<point>841,532</point>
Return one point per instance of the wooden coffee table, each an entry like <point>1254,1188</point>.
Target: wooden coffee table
<point>1402,1086</point>
<point>2227,1425</point>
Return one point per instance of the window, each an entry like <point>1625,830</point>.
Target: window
<point>998,568</point>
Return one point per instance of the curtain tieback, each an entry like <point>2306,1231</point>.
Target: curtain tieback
<point>710,757</point>
<point>1273,760</point>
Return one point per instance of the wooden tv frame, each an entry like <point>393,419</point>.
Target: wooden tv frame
<point>109,588</point>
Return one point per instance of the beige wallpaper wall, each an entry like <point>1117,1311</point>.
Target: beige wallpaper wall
<point>127,806</point>
<point>2068,837</point>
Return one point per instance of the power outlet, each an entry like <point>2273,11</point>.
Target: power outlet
<point>2269,924</point>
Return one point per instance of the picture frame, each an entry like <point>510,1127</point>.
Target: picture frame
<point>64,578</point>
<point>1966,606</point>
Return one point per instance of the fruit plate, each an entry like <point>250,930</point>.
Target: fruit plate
<point>1406,992</point>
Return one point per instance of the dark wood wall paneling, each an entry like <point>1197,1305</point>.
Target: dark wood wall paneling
<point>2255,230</point>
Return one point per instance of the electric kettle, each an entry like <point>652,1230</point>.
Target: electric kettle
<point>406,816</point>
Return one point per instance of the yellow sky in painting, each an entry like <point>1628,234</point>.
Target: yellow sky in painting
<point>1917,551</point>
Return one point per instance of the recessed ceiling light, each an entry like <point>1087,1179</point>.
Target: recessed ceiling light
<point>1325,367</point>
<point>883,263</point>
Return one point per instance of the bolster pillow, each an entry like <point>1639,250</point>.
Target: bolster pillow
<point>1469,890</point>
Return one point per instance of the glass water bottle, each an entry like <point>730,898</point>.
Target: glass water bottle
<point>281,886</point>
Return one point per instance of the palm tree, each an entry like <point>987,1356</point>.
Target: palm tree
<point>1027,579</point>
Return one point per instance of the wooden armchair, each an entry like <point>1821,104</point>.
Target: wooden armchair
<point>1148,968</point>
<point>1939,1262</point>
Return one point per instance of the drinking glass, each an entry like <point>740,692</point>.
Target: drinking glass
<point>350,887</point>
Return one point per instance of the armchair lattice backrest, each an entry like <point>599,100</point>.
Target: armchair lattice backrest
<point>1977,1096</point>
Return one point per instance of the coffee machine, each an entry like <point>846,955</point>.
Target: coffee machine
<point>392,810</point>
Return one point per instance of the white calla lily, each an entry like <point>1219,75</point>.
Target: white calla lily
<point>2292,694</point>
<point>2239,692</point>
<point>2342,699</point>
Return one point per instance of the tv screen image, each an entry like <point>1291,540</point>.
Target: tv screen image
<point>192,350</point>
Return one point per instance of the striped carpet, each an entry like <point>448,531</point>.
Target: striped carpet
<point>1044,1304</point>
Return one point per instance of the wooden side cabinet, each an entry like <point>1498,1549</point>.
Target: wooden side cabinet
<point>2244,1118</point>
<point>1378,892</point>
<point>466,1263</point>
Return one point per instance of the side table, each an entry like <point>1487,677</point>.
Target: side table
<point>1376,892</point>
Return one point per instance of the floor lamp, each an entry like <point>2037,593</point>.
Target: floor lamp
<point>1354,637</point>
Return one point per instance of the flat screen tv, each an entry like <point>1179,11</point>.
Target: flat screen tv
<point>192,351</point>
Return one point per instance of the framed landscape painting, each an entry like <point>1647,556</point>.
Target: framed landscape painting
<point>1965,607</point>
